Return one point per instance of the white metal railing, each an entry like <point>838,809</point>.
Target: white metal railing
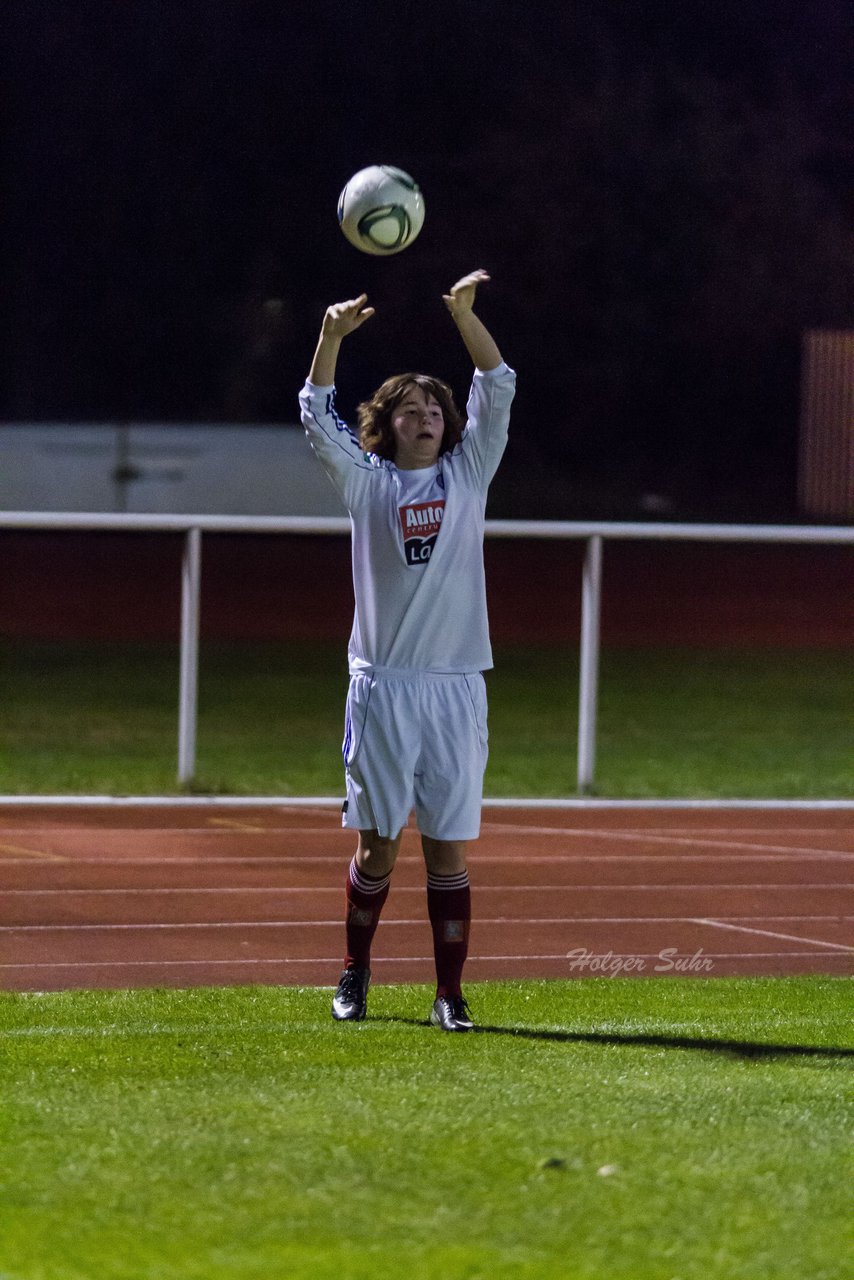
<point>593,532</point>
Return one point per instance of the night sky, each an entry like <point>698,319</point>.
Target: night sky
<point>662,193</point>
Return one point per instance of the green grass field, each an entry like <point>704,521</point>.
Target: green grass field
<point>595,1129</point>
<point>625,1129</point>
<point>103,719</point>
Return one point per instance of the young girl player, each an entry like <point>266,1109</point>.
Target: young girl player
<point>414,482</point>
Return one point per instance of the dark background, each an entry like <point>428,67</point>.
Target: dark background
<point>661,192</point>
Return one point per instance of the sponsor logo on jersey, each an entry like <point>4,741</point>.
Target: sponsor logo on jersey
<point>420,524</point>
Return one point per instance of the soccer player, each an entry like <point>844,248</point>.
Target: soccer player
<point>414,481</point>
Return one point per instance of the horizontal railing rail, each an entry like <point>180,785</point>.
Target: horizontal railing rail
<point>142,522</point>
<point>593,532</point>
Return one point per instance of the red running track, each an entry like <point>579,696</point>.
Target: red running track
<point>119,897</point>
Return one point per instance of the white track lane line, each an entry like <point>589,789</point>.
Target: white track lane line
<point>244,961</point>
<point>190,891</point>
<point>337,923</point>
<point>475,856</point>
<point>583,887</point>
<point>735,831</point>
<point>335,961</point>
<point>640,836</point>
<point>479,858</point>
<point>481,920</point>
<point>382,960</point>
<point>324,803</point>
<point>768,933</point>
<point>681,835</point>
<point>230,831</point>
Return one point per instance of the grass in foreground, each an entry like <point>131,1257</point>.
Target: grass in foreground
<point>93,719</point>
<point>621,1129</point>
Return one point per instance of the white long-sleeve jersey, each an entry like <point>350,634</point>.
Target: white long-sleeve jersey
<point>417,536</point>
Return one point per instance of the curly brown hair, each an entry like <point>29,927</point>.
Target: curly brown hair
<point>375,415</point>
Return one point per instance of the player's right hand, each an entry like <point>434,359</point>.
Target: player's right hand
<point>343,317</point>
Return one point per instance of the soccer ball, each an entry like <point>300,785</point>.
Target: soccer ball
<point>381,209</point>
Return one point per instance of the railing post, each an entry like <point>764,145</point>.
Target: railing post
<point>191,581</point>
<point>588,687</point>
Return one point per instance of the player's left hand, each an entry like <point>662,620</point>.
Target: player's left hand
<point>461,297</point>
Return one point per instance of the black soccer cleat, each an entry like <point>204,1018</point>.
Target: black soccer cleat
<point>350,1003</point>
<point>451,1013</point>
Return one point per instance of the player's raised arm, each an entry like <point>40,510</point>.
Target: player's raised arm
<point>478,340</point>
<point>340,320</point>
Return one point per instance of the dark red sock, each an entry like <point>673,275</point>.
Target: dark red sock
<point>449,907</point>
<point>366,897</point>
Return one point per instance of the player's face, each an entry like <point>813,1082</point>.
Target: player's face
<point>418,425</point>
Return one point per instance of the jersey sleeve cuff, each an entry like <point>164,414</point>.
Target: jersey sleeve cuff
<point>497,372</point>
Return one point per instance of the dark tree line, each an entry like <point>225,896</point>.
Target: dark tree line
<point>662,196</point>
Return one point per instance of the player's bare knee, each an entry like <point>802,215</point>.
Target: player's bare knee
<point>376,854</point>
<point>444,857</point>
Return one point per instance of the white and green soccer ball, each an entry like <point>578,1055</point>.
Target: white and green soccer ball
<point>381,209</point>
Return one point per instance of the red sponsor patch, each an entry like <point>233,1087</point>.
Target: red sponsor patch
<point>420,523</point>
<point>422,519</point>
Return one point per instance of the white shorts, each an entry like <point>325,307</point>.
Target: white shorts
<point>415,740</point>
